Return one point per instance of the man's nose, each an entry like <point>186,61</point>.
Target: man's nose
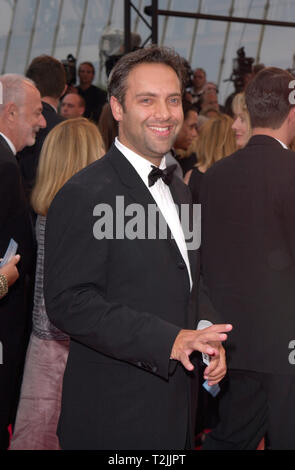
<point>162,110</point>
<point>42,121</point>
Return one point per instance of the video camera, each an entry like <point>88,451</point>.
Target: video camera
<point>242,66</point>
<point>70,69</point>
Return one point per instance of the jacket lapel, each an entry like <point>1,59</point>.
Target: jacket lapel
<point>181,197</point>
<point>5,145</point>
<point>138,192</point>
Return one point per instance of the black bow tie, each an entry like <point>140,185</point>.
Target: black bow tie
<point>166,174</point>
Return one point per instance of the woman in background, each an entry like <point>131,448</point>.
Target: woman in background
<point>69,147</point>
<point>216,141</point>
<point>241,125</point>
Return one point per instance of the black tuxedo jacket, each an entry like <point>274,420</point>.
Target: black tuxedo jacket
<point>14,223</point>
<point>29,157</point>
<point>248,252</point>
<point>14,315</point>
<point>123,303</point>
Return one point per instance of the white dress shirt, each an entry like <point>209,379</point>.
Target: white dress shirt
<point>161,193</point>
<point>282,143</point>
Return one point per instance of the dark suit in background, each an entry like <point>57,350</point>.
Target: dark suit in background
<point>248,260</point>
<point>95,98</point>
<point>123,303</point>
<point>29,156</point>
<point>15,320</point>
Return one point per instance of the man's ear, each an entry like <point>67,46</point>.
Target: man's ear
<point>11,111</point>
<point>290,120</point>
<point>116,108</point>
<point>65,90</point>
<point>292,114</point>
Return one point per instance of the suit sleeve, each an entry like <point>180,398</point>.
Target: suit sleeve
<point>206,309</point>
<point>9,190</point>
<point>76,272</point>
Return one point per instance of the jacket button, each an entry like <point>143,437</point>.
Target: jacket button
<point>181,265</point>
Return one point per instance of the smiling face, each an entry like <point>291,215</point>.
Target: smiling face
<point>241,129</point>
<point>152,113</point>
<point>29,118</point>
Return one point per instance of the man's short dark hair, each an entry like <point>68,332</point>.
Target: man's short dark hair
<point>187,106</point>
<point>117,84</point>
<point>49,75</point>
<point>201,70</point>
<point>267,97</point>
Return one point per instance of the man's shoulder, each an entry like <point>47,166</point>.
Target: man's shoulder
<point>96,172</point>
<point>10,177</point>
<point>97,93</point>
<point>223,165</point>
<point>6,155</point>
<point>97,183</point>
<point>261,153</point>
<point>97,89</point>
<point>92,179</point>
<point>93,90</point>
<point>271,152</point>
<point>51,116</point>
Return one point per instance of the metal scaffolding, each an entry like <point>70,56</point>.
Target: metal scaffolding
<point>46,26</point>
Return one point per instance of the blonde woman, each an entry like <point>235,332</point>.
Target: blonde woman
<point>216,141</point>
<point>241,124</point>
<point>69,147</point>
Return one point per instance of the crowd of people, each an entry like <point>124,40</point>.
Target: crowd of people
<point>101,345</point>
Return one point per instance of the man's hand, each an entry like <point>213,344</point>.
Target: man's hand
<point>217,367</point>
<point>206,341</point>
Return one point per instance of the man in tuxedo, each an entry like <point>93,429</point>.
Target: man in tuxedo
<point>49,76</point>
<point>248,258</point>
<point>127,299</point>
<point>20,119</point>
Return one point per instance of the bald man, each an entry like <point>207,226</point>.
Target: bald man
<point>72,106</point>
<point>20,120</point>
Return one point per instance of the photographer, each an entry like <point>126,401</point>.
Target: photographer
<point>242,74</point>
<point>94,97</point>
